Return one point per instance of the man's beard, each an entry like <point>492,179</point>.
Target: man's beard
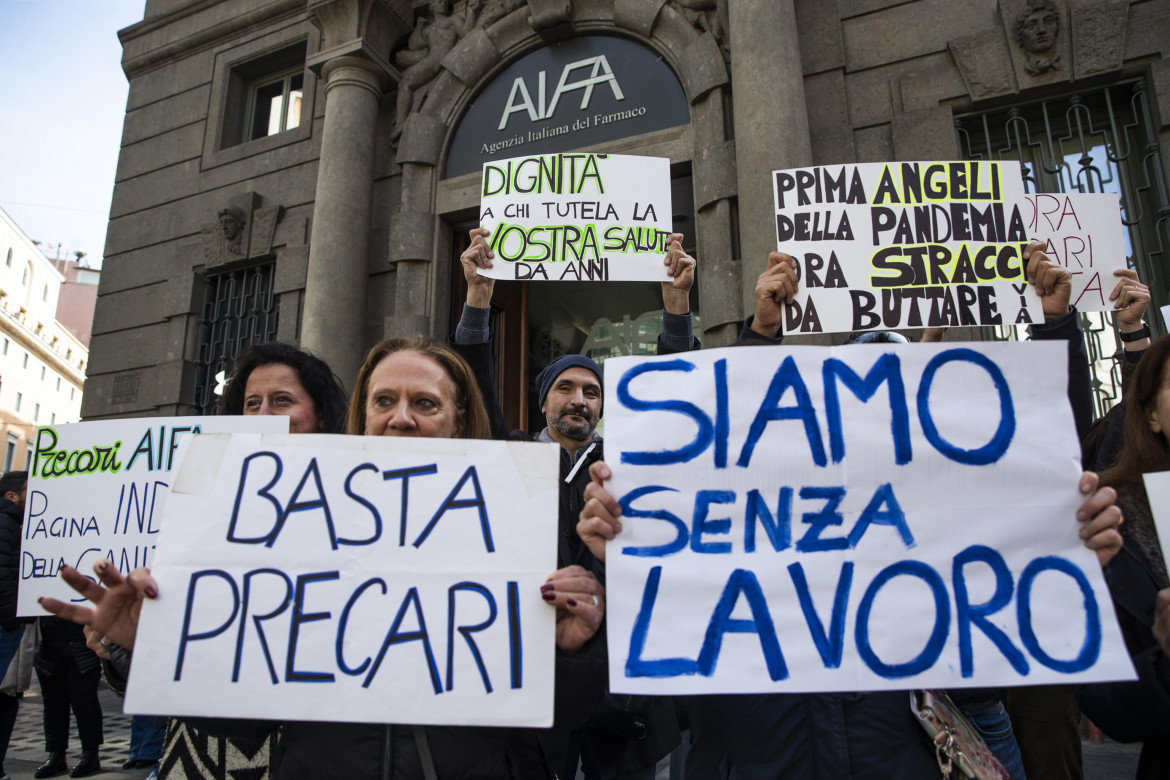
<point>571,428</point>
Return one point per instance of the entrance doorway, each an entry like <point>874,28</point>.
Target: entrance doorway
<point>534,322</point>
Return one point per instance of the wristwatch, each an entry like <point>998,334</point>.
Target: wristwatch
<point>1137,335</point>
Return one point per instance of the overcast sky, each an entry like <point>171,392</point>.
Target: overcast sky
<point>62,104</point>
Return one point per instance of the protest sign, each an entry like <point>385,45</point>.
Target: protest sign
<point>854,518</point>
<point>400,576</point>
<point>881,246</point>
<point>97,490</point>
<point>1158,492</point>
<point>577,217</point>
<point>1081,231</point>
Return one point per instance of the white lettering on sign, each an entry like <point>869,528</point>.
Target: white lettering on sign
<point>519,99</point>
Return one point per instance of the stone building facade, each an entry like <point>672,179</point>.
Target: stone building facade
<point>300,170</point>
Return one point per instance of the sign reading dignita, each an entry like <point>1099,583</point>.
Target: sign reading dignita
<point>97,490</point>
<point>400,577</point>
<point>881,246</point>
<point>577,217</point>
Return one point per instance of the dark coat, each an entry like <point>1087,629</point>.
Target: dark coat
<point>10,519</point>
<point>627,733</point>
<point>1137,711</point>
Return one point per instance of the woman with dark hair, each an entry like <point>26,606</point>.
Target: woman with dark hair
<point>405,387</point>
<point>278,378</point>
<point>1139,711</point>
<point>272,378</point>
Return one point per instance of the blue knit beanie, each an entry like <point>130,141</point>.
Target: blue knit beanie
<point>545,379</point>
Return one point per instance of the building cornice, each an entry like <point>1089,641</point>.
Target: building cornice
<point>202,38</point>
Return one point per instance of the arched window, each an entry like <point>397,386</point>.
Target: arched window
<point>45,294</point>
<point>26,276</point>
<point>8,260</point>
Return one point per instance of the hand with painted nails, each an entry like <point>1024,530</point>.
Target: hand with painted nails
<point>676,294</point>
<point>580,602</point>
<point>599,520</point>
<point>478,255</point>
<point>1100,518</point>
<point>115,606</point>
<point>777,285</point>
<point>1052,281</point>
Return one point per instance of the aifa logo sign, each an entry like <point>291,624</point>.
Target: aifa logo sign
<point>519,99</point>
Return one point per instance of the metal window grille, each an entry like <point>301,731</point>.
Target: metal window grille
<point>239,309</point>
<point>1101,140</point>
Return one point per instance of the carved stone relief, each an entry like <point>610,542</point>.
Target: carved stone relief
<point>1039,42</point>
<point>242,230</point>
<point>1036,28</point>
<point>708,16</point>
<point>436,31</point>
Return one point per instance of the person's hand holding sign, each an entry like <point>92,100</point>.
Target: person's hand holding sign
<point>676,294</point>
<point>776,285</point>
<point>1053,282</point>
<point>116,606</point>
<point>599,521</point>
<point>1101,517</point>
<point>478,255</point>
<point>1130,298</point>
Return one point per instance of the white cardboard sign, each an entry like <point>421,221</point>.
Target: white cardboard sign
<point>97,490</point>
<point>345,578</point>
<point>1082,232</point>
<point>577,217</point>
<point>855,518</point>
<point>882,246</point>
<point>1158,492</point>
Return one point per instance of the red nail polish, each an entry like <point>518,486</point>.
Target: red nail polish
<point>571,602</point>
<point>548,596</point>
<point>152,593</point>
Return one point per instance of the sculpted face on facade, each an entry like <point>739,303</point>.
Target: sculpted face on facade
<point>1037,26</point>
<point>231,224</point>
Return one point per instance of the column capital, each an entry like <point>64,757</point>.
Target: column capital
<point>354,71</point>
<point>362,29</point>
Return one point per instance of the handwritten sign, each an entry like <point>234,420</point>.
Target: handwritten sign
<point>1082,232</point>
<point>1158,492</point>
<point>400,576</point>
<point>577,217</point>
<point>882,246</point>
<point>97,490</point>
<point>851,518</point>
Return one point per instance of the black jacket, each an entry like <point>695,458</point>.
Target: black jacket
<point>10,519</point>
<point>1137,711</point>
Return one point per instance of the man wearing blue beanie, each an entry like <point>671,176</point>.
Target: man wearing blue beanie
<point>570,399</point>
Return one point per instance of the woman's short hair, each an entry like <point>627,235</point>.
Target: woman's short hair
<point>468,399</point>
<point>1143,450</point>
<point>323,387</point>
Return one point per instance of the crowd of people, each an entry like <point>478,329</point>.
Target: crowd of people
<point>413,386</point>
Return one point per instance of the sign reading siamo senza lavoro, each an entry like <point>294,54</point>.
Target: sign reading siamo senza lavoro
<point>569,95</point>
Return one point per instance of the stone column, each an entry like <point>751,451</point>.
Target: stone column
<point>771,121</point>
<point>334,320</point>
